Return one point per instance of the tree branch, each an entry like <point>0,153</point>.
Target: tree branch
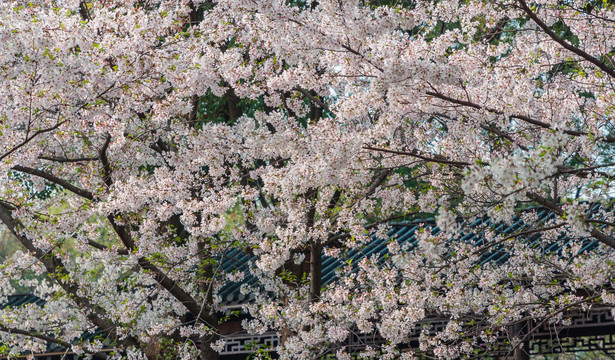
<point>55,267</point>
<point>48,339</point>
<point>563,42</point>
<point>492,129</point>
<point>415,154</point>
<point>30,138</point>
<point>597,234</point>
<point>527,119</point>
<point>100,246</point>
<point>68,160</point>
<point>167,283</point>
<point>36,335</point>
<point>544,125</point>
<point>56,180</point>
<point>105,162</point>
<point>334,239</point>
<point>313,99</point>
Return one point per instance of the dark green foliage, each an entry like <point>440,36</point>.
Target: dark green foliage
<point>224,109</point>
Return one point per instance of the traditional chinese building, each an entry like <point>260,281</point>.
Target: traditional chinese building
<point>591,331</point>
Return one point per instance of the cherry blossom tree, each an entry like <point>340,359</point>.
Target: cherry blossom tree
<point>99,118</point>
<point>132,128</point>
<point>491,108</point>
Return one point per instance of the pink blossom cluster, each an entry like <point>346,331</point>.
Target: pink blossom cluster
<point>126,195</point>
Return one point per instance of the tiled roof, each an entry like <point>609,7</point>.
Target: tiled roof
<point>21,300</point>
<point>16,301</point>
<point>404,233</point>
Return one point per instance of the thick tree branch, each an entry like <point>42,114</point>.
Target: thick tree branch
<point>313,98</point>
<point>334,199</point>
<point>100,246</point>
<point>379,180</point>
<point>563,42</point>
<point>84,10</point>
<point>527,119</point>
<point>68,186</point>
<point>105,162</point>
<point>597,234</point>
<point>315,270</point>
<point>68,160</point>
<point>416,154</point>
<point>234,111</point>
<point>56,180</point>
<point>166,282</point>
<point>55,267</point>
<point>315,248</point>
<point>122,232</point>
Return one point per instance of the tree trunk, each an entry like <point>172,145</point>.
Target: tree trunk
<point>207,353</point>
<point>315,271</point>
<point>208,313</point>
<point>522,351</point>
